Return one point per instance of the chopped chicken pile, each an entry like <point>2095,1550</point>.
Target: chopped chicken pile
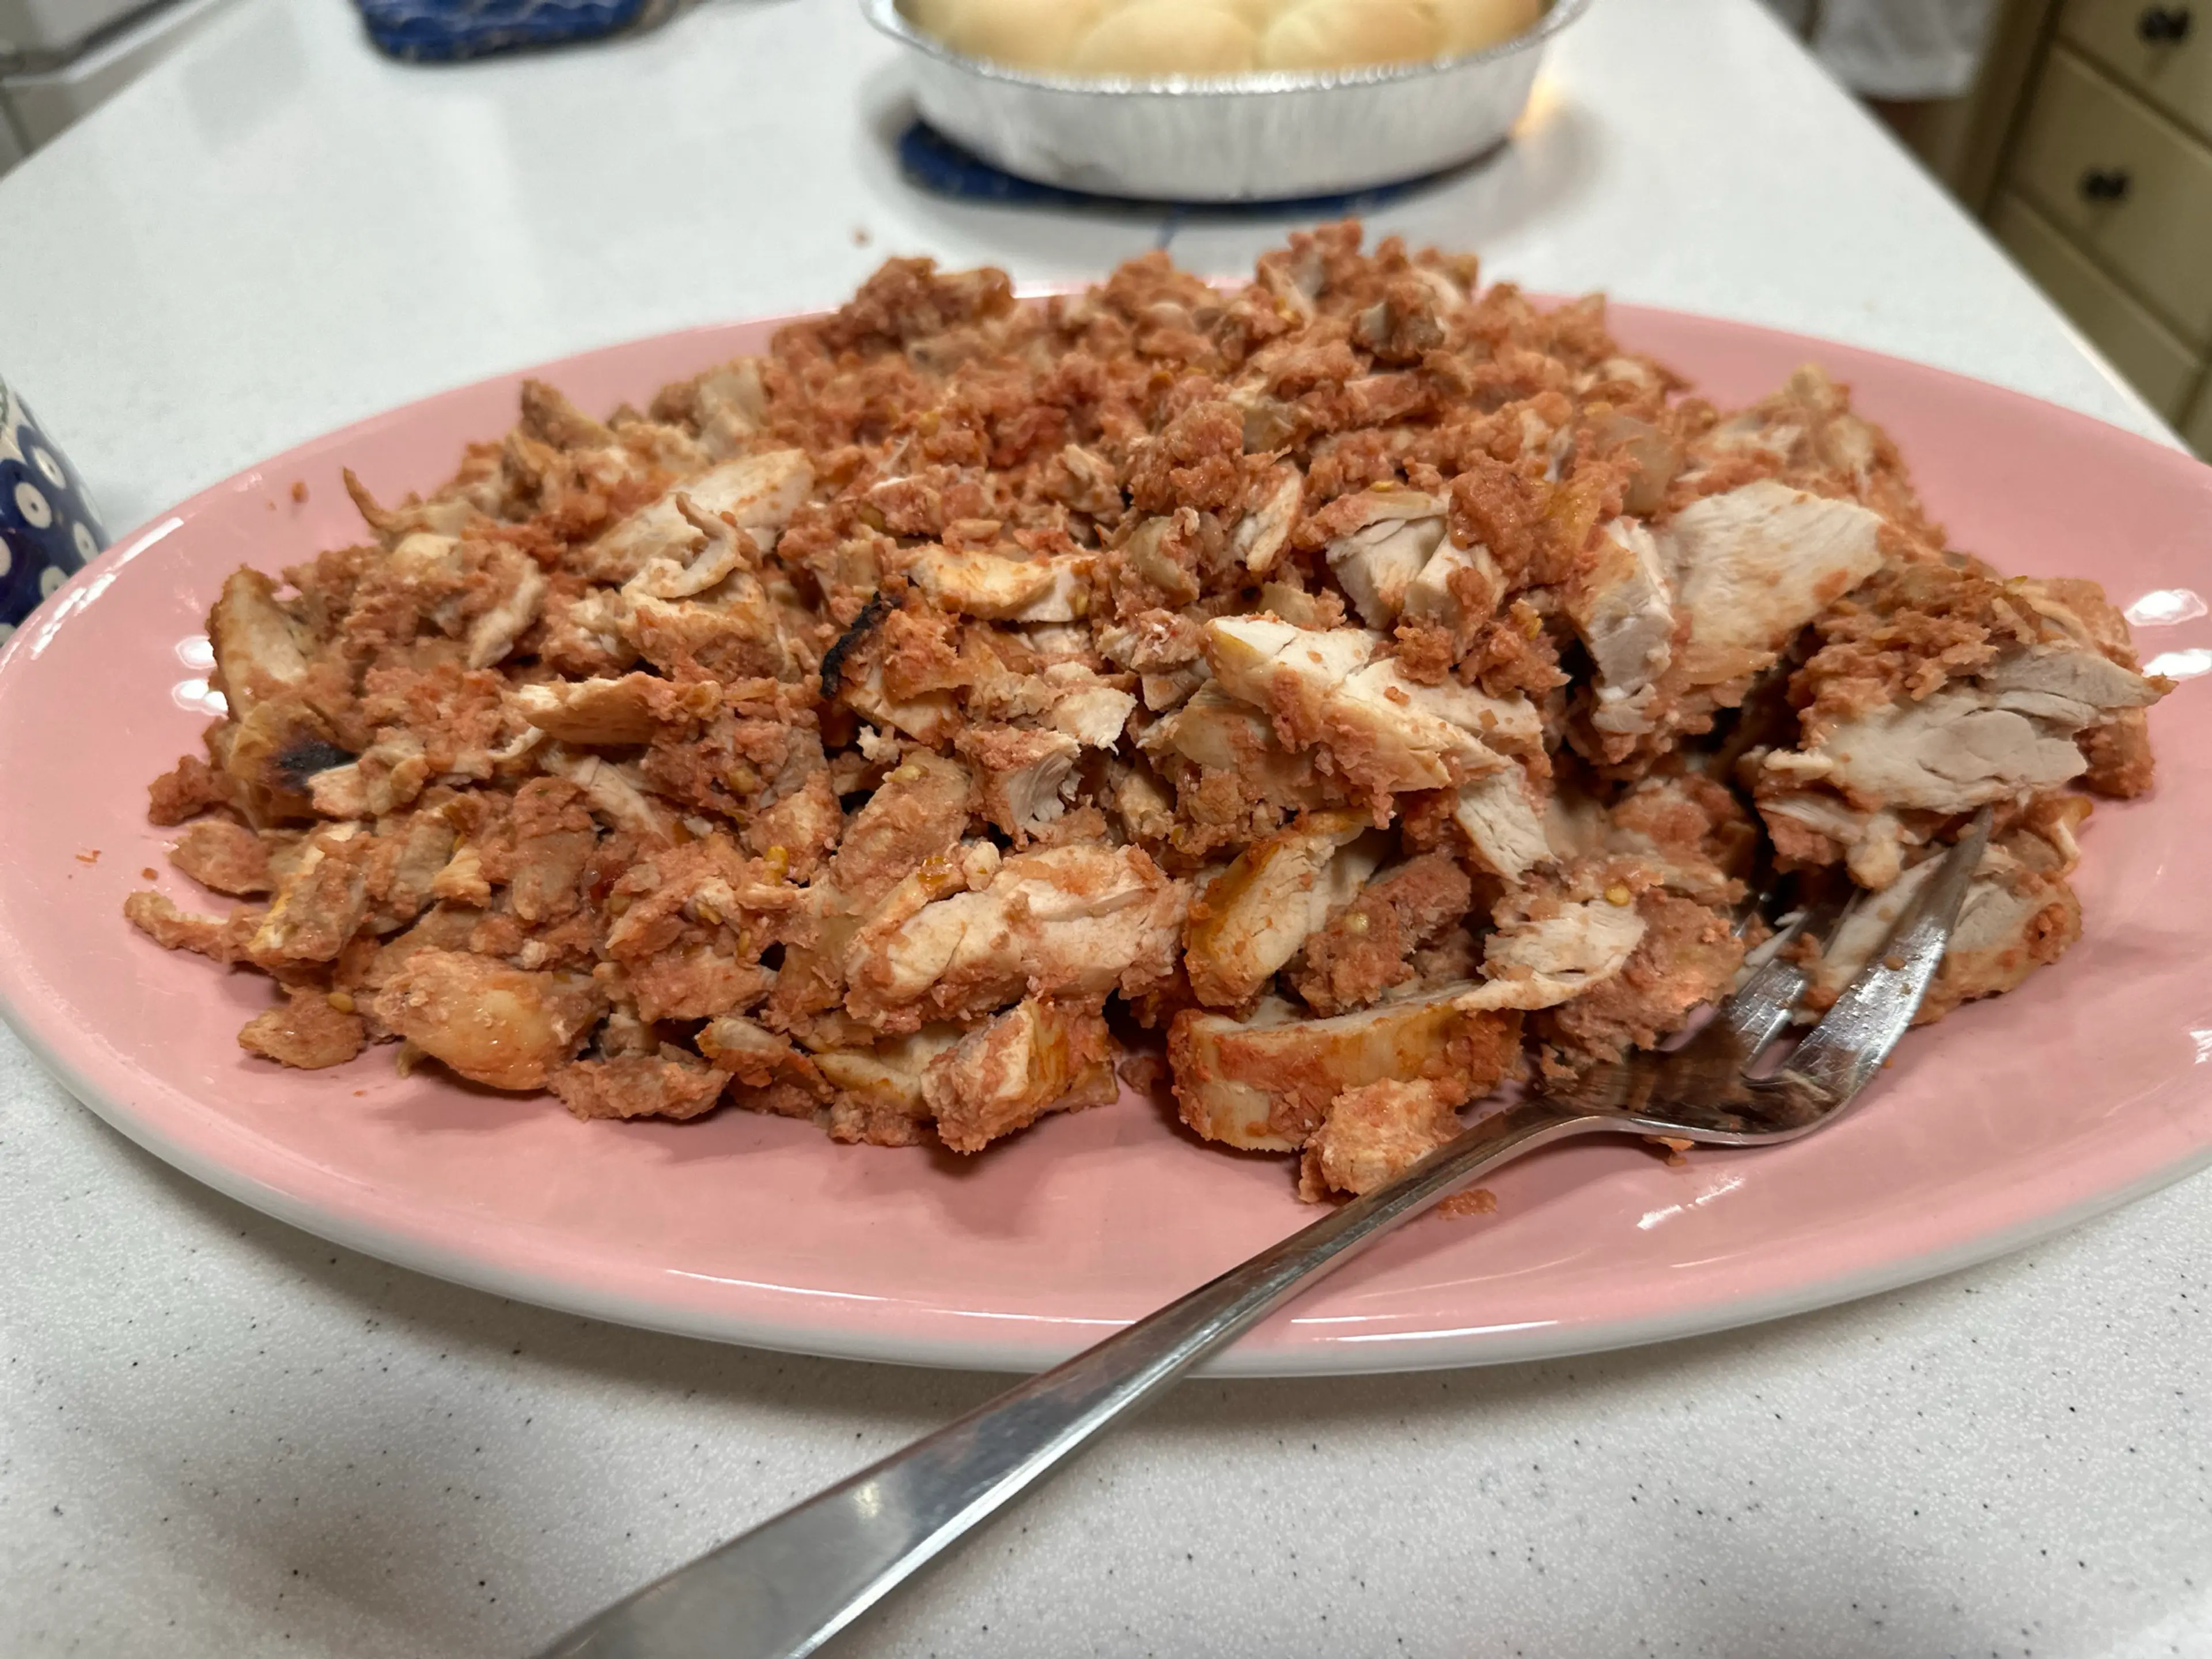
<point>1378,686</point>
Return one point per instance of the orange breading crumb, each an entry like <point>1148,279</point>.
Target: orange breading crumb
<point>1687,957</point>
<point>1369,946</point>
<point>1376,1132</point>
<point>223,855</point>
<point>310,1029</point>
<point>637,1085</point>
<point>1476,1200</point>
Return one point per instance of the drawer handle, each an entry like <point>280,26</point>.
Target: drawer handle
<point>2163,25</point>
<point>2105,185</point>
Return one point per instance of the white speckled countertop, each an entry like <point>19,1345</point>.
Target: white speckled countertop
<point>218,1437</point>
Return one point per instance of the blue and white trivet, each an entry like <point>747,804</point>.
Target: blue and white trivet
<point>447,30</point>
<point>936,163</point>
<point>47,526</point>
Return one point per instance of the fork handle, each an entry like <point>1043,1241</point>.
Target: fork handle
<point>783,1589</point>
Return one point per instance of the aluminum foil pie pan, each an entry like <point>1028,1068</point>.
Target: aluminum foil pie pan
<point>1269,137</point>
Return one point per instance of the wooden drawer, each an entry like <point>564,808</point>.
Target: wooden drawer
<point>2161,49</point>
<point>2126,184</point>
<point>2196,433</point>
<point>2144,351</point>
<point>2148,355</point>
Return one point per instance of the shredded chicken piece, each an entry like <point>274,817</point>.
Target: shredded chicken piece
<point>1252,919</point>
<point>1360,675</point>
<point>1036,1057</point>
<point>309,1030</point>
<point>1755,565</point>
<point>1369,942</point>
<point>756,494</point>
<point>1376,1132</point>
<point>673,1085</point>
<point>1624,609</point>
<point>491,1024</point>
<point>1265,1082</point>
<point>1547,951</point>
<point>1085,919</point>
<point>223,856</point>
<point>1386,541</point>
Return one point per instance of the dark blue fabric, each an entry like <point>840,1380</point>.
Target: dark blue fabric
<point>47,526</point>
<point>443,31</point>
<point>936,163</point>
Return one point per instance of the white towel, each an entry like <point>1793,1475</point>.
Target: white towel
<point>1906,49</point>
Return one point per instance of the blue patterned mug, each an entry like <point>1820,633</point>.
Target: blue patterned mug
<point>47,526</point>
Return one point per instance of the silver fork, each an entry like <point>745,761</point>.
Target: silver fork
<point>783,1589</point>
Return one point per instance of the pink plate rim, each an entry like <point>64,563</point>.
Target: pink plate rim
<point>1987,1221</point>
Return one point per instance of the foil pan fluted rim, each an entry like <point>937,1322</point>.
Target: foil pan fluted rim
<point>887,18</point>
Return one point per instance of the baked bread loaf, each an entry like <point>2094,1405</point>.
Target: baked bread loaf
<point>1327,34</point>
<point>1038,35</point>
<point>1478,25</point>
<point>1147,39</point>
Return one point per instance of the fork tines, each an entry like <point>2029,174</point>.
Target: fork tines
<point>1709,1084</point>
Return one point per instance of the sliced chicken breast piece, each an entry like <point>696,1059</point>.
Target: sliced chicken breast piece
<point>1376,1132</point>
<point>1022,775</point>
<point>259,650</point>
<point>1085,707</point>
<point>492,1024</point>
<point>1541,960</point>
<point>995,588</point>
<point>1872,843</point>
<point>758,492</point>
<point>1289,672</point>
<point>1039,1056</point>
<point>2015,917</point>
<point>1385,732</point>
<point>2015,727</point>
<point>1069,922</point>
<point>521,587</point>
<point>1216,732</point>
<point>1269,516</point>
<point>1753,565</point>
<point>634,709</point>
<point>1949,752</point>
<point>1391,733</point>
<point>1386,551</point>
<point>1458,588</point>
<point>890,1073</point>
<point>1252,919</point>
<point>1624,609</point>
<point>685,573</point>
<point>1501,823</point>
<point>1265,1082</point>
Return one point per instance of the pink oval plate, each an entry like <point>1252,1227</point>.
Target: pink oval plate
<point>2013,1119</point>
